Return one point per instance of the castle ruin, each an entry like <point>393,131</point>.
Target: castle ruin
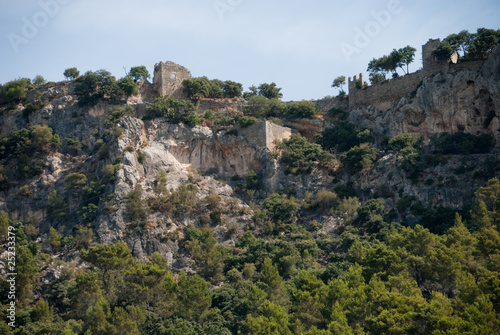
<point>383,95</point>
<point>168,78</point>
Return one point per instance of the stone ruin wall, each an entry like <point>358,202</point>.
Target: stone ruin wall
<point>168,78</point>
<point>264,133</point>
<point>384,95</point>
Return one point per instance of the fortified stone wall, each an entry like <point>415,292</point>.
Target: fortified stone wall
<point>168,78</point>
<point>384,95</point>
<point>223,106</point>
<point>264,133</point>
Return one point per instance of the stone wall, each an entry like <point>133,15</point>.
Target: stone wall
<point>264,133</point>
<point>168,78</point>
<point>384,95</point>
<point>223,106</point>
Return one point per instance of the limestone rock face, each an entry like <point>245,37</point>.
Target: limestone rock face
<point>450,101</point>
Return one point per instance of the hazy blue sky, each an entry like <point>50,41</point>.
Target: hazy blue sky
<point>300,45</point>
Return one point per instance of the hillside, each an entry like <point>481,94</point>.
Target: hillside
<point>166,215</point>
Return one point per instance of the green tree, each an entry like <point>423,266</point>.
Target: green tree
<point>443,51</point>
<point>75,180</point>
<point>14,91</point>
<point>359,158</point>
<point>193,297</point>
<point>301,156</point>
<point>39,80</point>
<point>109,260</point>
<point>271,319</point>
<point>4,225</point>
<point>209,256</point>
<point>300,110</point>
<point>139,73</point>
<point>42,311</point>
<point>270,91</point>
<point>232,89</point>
<point>54,238</point>
<point>339,83</point>
<point>483,43</point>
<point>98,316</point>
<point>128,86</point>
<point>376,78</point>
<point>71,73</point>
<point>26,271</point>
<point>135,208</point>
<point>407,56</point>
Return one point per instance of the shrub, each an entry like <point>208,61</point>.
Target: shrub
<point>246,121</point>
<point>359,158</point>
<point>141,157</point>
<point>461,143</point>
<point>343,137</point>
<point>75,180</point>
<point>136,209</point>
<point>71,73</point>
<point>167,106</point>
<point>117,114</point>
<point>301,156</point>
<point>402,141</point>
<point>300,110</point>
<point>14,91</point>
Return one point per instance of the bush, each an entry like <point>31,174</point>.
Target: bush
<point>301,156</point>
<point>359,158</point>
<point>71,73</point>
<point>167,106</point>
<point>343,137</point>
<point>461,143</point>
<point>300,110</point>
<point>260,106</point>
<point>246,121</point>
<point>14,91</point>
<point>135,208</point>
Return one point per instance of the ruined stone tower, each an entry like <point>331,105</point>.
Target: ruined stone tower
<point>168,78</point>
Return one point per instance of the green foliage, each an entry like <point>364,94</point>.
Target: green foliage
<point>343,137</point>
<point>73,143</point>
<point>75,180</point>
<point>71,73</point>
<point>260,106</point>
<point>301,156</point>
<point>299,110</point>
<point>202,87</point>
<point>246,121</point>
<point>270,91</point>
<point>14,91</point>
<point>57,205</point>
<point>138,73</point>
<point>339,83</point>
<point>443,51</point>
<point>169,107</point>
<point>135,209</point>
<point>389,63</point>
<point>359,158</point>
<point>39,80</point>
<point>93,86</point>
<point>54,238</point>
<point>475,46</point>
<point>209,256</point>
<point>461,143</point>
<point>128,85</point>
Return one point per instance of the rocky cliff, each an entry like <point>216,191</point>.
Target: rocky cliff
<point>212,158</point>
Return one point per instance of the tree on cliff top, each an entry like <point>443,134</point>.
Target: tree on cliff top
<point>339,83</point>
<point>138,73</point>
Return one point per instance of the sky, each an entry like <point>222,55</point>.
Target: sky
<point>300,45</point>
